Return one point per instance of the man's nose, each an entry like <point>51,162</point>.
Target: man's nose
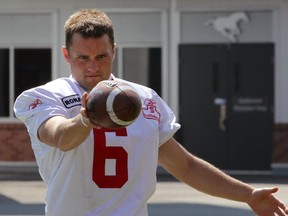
<point>93,65</point>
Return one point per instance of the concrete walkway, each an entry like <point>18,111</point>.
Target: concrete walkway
<point>24,195</point>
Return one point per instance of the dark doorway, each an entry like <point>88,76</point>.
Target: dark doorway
<point>226,103</point>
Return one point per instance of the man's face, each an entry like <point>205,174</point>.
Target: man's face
<point>90,59</point>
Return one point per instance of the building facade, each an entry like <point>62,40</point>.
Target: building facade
<point>158,43</point>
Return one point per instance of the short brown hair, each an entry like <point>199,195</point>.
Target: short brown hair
<point>88,23</point>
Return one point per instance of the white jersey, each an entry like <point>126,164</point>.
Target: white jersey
<point>113,172</point>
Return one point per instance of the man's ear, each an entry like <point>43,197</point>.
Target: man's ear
<point>65,53</point>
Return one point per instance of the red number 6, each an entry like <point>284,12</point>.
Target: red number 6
<point>103,152</point>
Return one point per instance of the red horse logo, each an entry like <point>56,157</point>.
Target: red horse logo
<point>150,111</point>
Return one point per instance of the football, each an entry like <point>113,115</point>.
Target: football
<point>113,104</point>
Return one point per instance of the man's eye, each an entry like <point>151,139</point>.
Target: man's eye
<point>101,56</point>
<point>83,57</point>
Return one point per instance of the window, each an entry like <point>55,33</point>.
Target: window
<point>143,66</point>
<point>31,67</point>
<point>25,54</point>
<point>4,82</point>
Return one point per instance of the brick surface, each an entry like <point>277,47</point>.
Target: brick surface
<point>15,143</point>
<point>280,148</point>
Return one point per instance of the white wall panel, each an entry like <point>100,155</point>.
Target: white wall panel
<point>226,4</point>
<point>25,28</point>
<point>137,27</point>
<point>194,30</point>
<point>281,61</point>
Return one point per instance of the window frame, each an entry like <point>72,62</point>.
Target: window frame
<point>120,58</point>
<point>167,92</point>
<point>53,44</point>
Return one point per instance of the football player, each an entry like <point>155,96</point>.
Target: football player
<point>91,170</point>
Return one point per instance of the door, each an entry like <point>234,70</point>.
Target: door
<point>226,103</point>
<point>251,106</point>
<point>202,78</point>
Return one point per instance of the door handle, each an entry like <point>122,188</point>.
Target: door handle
<point>221,102</point>
<point>222,117</point>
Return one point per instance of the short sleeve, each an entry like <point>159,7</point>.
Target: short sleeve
<point>34,106</point>
<point>168,125</point>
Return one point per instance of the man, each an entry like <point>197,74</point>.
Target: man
<point>91,170</point>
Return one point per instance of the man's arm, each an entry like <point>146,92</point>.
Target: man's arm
<point>208,179</point>
<point>64,133</point>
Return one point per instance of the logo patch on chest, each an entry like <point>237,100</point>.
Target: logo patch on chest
<point>71,101</point>
<point>151,111</point>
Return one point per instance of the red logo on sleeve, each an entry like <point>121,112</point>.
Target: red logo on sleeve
<point>35,104</point>
<point>150,111</point>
